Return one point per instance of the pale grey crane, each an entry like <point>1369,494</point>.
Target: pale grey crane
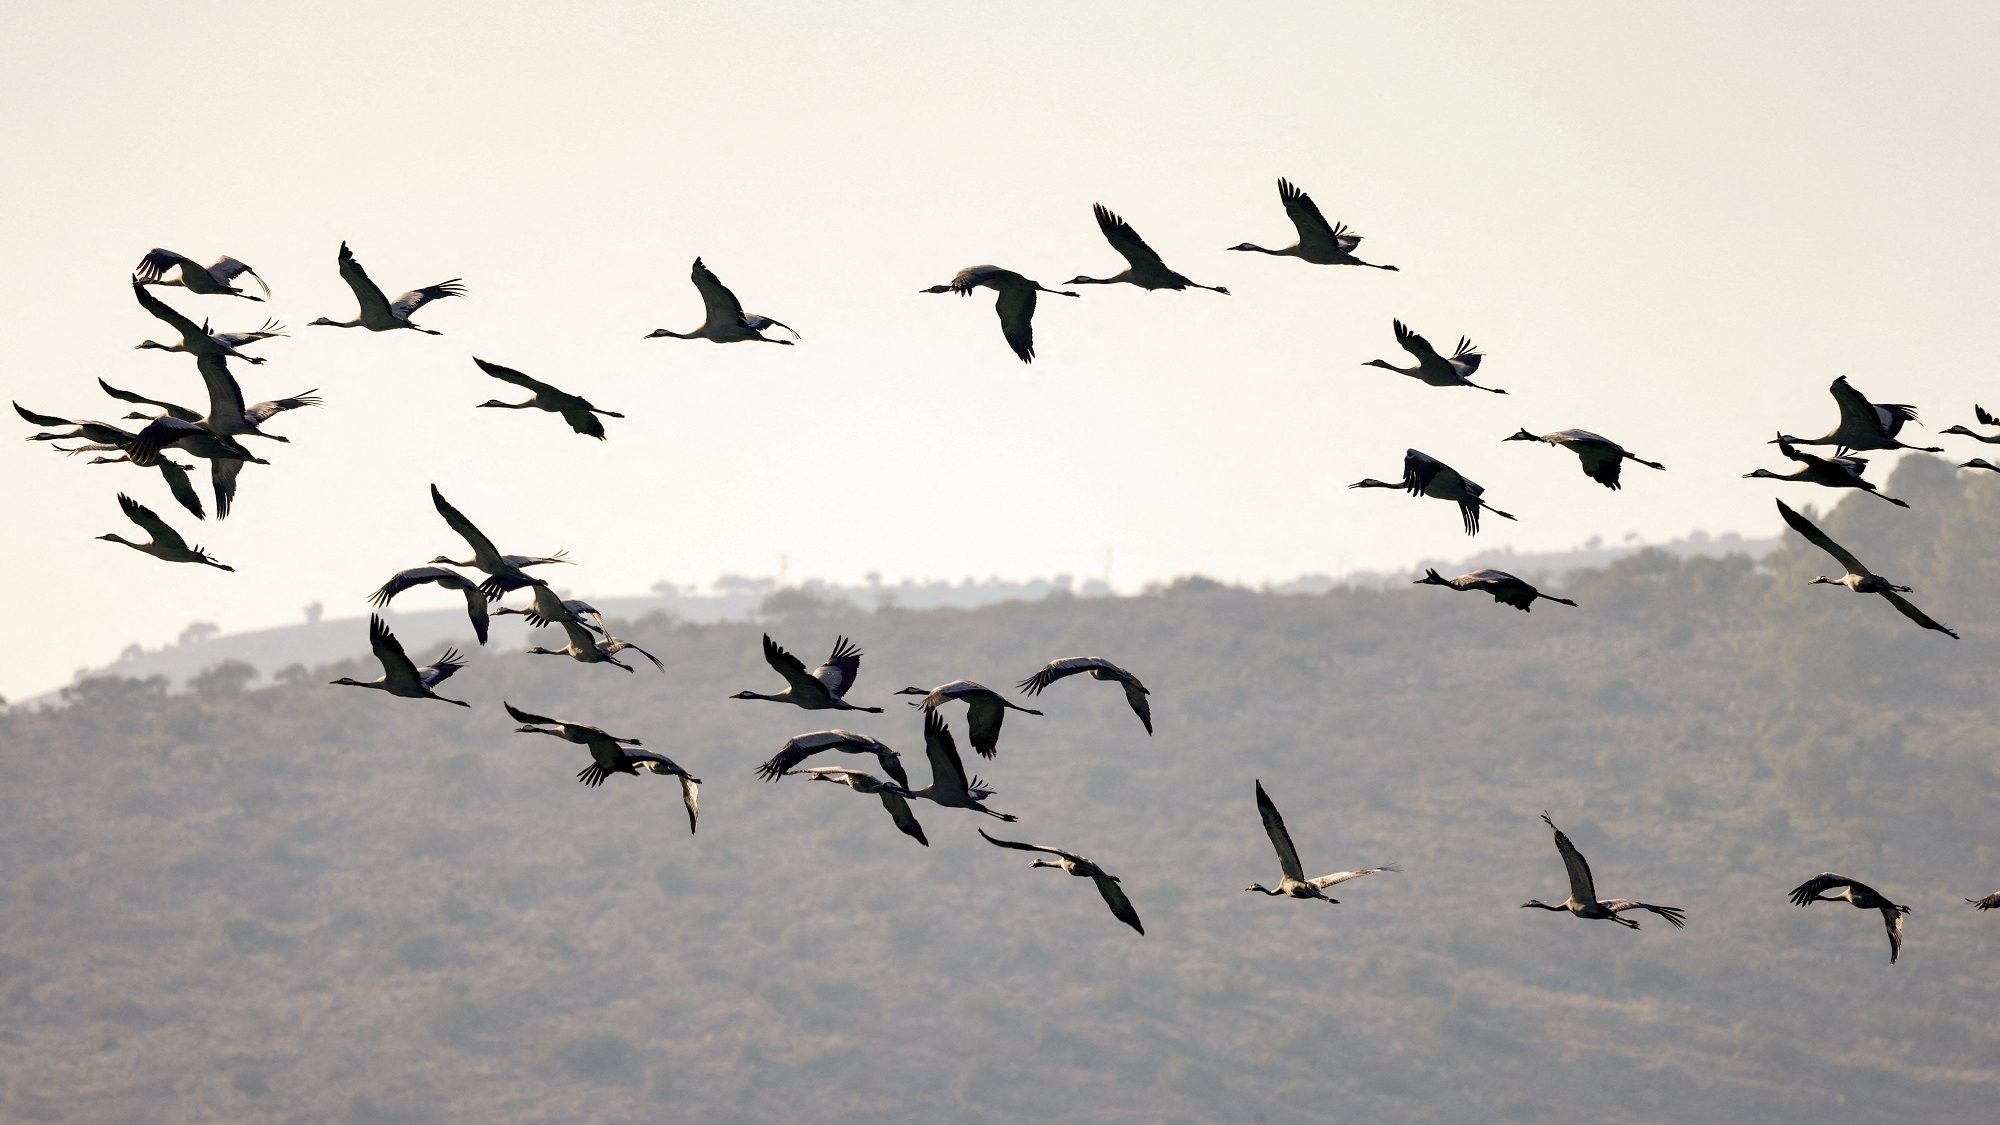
<point>225,339</point>
<point>1434,369</point>
<point>822,689</point>
<point>949,785</point>
<point>1424,475</point>
<point>194,337</point>
<point>804,746</point>
<point>1583,901</point>
<point>166,543</point>
<point>984,710</point>
<point>1985,419</point>
<point>225,456</point>
<point>1505,588</point>
<point>609,755</point>
<point>585,614</point>
<point>475,601</point>
<point>378,313</point>
<point>1099,669</point>
<point>176,474</point>
<point>723,318</point>
<point>1861,896</point>
<point>575,409</point>
<point>1293,881</point>
<point>1144,268</point>
<point>89,429</point>
<point>1107,883</point>
<point>1602,458</point>
<point>895,798</point>
<point>1858,577</point>
<point>507,571</point>
<point>197,278</point>
<point>226,413</point>
<point>1827,472</point>
<point>1863,424</point>
<point>1016,303</point>
<point>582,646</point>
<point>400,675</point>
<point>1320,242</point>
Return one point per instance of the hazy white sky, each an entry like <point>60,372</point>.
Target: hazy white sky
<point>1673,226</point>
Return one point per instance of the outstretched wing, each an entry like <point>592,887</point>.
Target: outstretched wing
<point>1136,696</point>
<point>719,305</point>
<point>983,717</point>
<point>840,669</point>
<point>436,673</point>
<point>265,411</point>
<point>521,716</point>
<point>1314,230</point>
<point>180,412</point>
<point>190,332</point>
<point>791,668</point>
<point>1819,884</point>
<point>227,268</point>
<point>1582,887</point>
<point>1819,539</point>
<point>1274,827</point>
<point>691,799</point>
<point>225,396</point>
<point>1903,606</point>
<point>1125,240</point>
<point>899,811</point>
<point>1020,847</point>
<point>415,576</point>
<point>1016,306</point>
<point>1985,419</point>
<point>1325,881</point>
<point>1114,897</point>
<point>374,306</point>
<point>482,547</point>
<point>182,487</point>
<point>947,771</point>
<point>804,746</point>
<point>158,261</point>
<point>1672,914</point>
<point>1416,345</point>
<point>396,664</point>
<point>417,298</point>
<point>1855,409</point>
<point>615,645</point>
<point>509,375</point>
<point>150,523</point>
<point>1064,667</point>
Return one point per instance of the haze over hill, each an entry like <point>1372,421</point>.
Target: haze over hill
<point>314,903</point>
<point>321,639</point>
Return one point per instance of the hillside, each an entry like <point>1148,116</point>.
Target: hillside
<point>318,904</point>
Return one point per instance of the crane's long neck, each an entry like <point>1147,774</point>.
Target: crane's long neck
<point>1251,246</point>
<point>1387,366</point>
